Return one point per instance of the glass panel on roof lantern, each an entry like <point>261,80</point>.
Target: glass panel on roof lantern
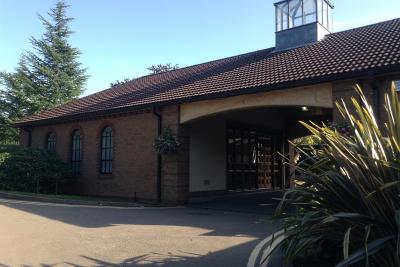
<point>319,8</point>
<point>285,15</point>
<point>325,14</point>
<point>295,13</point>
<point>278,19</point>
<point>330,18</point>
<point>310,11</point>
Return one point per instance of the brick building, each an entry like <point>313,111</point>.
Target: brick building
<point>232,116</point>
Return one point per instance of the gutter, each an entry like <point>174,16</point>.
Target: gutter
<point>159,158</point>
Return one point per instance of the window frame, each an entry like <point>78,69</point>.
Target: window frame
<point>51,142</point>
<point>325,11</point>
<point>106,150</point>
<point>76,151</point>
<point>315,13</point>
<point>322,14</point>
<point>293,19</point>
<point>325,16</point>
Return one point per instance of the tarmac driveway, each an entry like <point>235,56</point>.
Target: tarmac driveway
<point>258,202</point>
<point>40,234</point>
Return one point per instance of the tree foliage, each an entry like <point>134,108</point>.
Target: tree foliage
<point>118,82</point>
<point>47,76</point>
<point>155,69</point>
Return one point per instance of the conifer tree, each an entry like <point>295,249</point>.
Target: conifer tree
<point>47,76</point>
<point>53,68</point>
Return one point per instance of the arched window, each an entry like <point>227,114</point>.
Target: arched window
<point>51,142</point>
<point>76,152</point>
<point>106,150</point>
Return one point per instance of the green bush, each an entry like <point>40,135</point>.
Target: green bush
<point>345,206</point>
<point>8,148</point>
<point>32,170</point>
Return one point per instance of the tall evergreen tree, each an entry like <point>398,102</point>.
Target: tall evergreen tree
<point>53,66</point>
<point>47,76</point>
<point>16,100</point>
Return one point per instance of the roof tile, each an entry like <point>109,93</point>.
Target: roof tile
<point>369,48</point>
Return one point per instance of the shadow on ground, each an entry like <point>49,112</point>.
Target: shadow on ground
<point>263,202</point>
<point>230,217</point>
<point>208,214</point>
<point>223,258</point>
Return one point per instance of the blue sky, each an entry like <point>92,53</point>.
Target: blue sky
<point>121,38</point>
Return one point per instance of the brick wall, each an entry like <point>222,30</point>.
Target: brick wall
<point>134,163</point>
<point>23,138</point>
<point>345,90</point>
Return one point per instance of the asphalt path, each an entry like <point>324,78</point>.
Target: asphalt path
<point>215,233</point>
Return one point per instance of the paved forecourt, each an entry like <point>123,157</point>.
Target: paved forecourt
<point>42,234</point>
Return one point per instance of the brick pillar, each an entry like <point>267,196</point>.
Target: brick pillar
<point>383,87</point>
<point>175,167</point>
<point>374,90</point>
<point>24,137</point>
<point>343,90</point>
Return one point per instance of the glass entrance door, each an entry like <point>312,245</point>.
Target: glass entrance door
<point>251,158</point>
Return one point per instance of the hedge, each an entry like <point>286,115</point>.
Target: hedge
<point>32,170</point>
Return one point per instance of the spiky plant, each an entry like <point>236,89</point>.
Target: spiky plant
<point>347,193</point>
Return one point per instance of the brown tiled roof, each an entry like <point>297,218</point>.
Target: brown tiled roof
<point>369,50</point>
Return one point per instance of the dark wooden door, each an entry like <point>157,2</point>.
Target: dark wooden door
<point>251,160</point>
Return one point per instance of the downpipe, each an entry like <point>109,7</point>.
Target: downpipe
<point>159,158</point>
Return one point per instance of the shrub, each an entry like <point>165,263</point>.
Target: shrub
<point>347,193</point>
<point>32,170</point>
<point>8,148</point>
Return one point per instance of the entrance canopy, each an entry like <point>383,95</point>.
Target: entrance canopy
<point>309,96</point>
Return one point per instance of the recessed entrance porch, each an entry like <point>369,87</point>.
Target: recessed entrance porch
<point>241,150</point>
